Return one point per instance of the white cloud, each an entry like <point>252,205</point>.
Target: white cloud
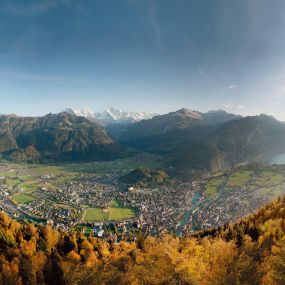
<point>156,26</point>
<point>238,109</point>
<point>233,86</point>
<point>33,76</point>
<point>202,72</point>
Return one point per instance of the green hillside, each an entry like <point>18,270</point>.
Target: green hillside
<point>143,177</point>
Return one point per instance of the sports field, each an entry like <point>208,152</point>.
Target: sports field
<point>115,213</point>
<point>22,198</point>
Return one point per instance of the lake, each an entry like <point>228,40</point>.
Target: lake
<point>278,159</point>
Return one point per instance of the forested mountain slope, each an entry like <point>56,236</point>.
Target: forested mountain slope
<point>210,141</point>
<point>56,137</point>
<point>236,142</point>
<point>248,252</point>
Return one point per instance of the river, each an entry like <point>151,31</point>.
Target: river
<point>196,201</point>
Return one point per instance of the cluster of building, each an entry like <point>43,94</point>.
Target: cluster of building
<point>161,208</point>
<point>65,202</point>
<point>233,204</point>
<point>62,204</point>
<point>178,207</point>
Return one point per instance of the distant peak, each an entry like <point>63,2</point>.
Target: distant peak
<point>189,113</point>
<point>185,110</point>
<point>85,112</point>
<point>111,115</point>
<point>219,111</point>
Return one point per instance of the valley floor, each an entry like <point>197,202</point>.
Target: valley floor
<point>84,196</point>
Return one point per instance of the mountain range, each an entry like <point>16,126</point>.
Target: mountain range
<point>54,137</point>
<point>111,115</point>
<point>237,141</point>
<point>213,141</point>
<point>186,140</point>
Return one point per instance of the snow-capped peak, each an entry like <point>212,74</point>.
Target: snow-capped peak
<point>111,115</point>
<point>85,112</point>
<point>114,114</point>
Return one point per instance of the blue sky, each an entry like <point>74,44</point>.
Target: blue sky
<point>142,55</point>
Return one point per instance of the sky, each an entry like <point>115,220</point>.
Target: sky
<point>142,55</point>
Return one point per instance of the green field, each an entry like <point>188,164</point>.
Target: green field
<point>115,203</point>
<point>273,191</point>
<point>28,176</point>
<point>116,213</point>
<point>121,213</point>
<point>239,178</point>
<point>30,186</point>
<point>23,180</point>
<point>95,214</point>
<point>22,198</point>
<point>268,180</point>
<point>105,167</point>
<point>213,186</point>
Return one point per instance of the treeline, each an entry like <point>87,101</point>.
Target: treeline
<point>252,251</point>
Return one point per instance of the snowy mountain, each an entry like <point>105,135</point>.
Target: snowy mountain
<point>111,116</point>
<point>115,115</point>
<point>86,112</point>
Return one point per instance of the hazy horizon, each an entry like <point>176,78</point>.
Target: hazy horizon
<point>138,111</point>
<point>154,56</point>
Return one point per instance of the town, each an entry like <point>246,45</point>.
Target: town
<point>65,204</point>
<point>98,204</point>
